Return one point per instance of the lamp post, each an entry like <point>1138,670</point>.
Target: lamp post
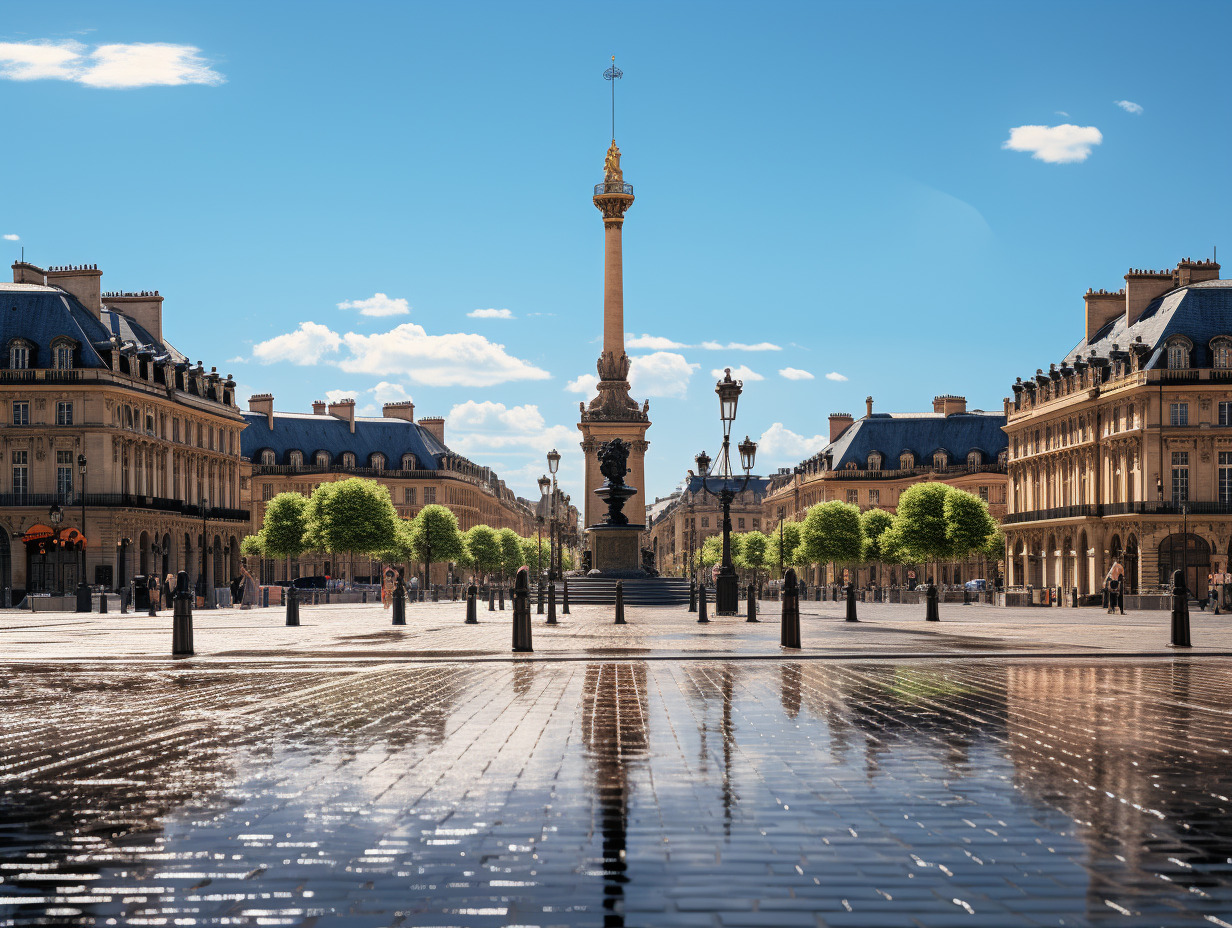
<point>553,464</point>
<point>726,587</point>
<point>781,513</point>
<point>545,483</point>
<point>56,516</point>
<point>204,584</point>
<point>81,469</point>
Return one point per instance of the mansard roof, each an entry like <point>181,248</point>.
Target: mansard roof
<point>310,433</point>
<point>1200,311</point>
<point>921,433</point>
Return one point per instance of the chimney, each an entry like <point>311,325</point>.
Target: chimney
<point>1141,287</point>
<point>948,404</point>
<point>399,411</point>
<point>868,407</point>
<point>839,423</point>
<point>1192,272</point>
<point>436,426</point>
<point>84,281</point>
<point>263,403</point>
<point>1102,307</point>
<point>345,410</point>
<point>25,273</point>
<point>318,407</point>
<point>144,307</point>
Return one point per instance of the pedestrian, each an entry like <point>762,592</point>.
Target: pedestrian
<point>169,589</point>
<point>1116,598</point>
<point>249,586</point>
<point>387,587</point>
<point>152,587</point>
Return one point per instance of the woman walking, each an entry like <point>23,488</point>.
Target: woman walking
<point>387,587</point>
<point>249,586</point>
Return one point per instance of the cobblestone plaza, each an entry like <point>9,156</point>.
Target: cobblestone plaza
<point>1031,769</point>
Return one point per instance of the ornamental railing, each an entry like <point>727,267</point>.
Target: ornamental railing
<point>120,501</point>
<point>1140,507</point>
<point>613,187</point>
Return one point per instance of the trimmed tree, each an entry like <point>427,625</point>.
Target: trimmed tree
<point>353,516</point>
<point>284,531</point>
<point>832,533</point>
<point>512,556</point>
<point>789,554</point>
<point>252,545</point>
<point>535,555</point>
<point>754,552</point>
<point>484,545</point>
<point>874,523</point>
<point>435,537</point>
<point>968,523</point>
<point>920,528</point>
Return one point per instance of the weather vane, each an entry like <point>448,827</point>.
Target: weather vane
<point>613,74</point>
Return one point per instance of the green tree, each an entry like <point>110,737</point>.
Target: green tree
<point>754,552</point>
<point>435,537</point>
<point>401,551</point>
<point>535,555</point>
<point>968,523</point>
<point>788,553</point>
<point>832,532</point>
<point>920,528</point>
<point>709,554</point>
<point>512,556</point>
<point>284,531</point>
<point>874,523</point>
<point>353,516</point>
<point>252,545</point>
<point>484,545</point>
<point>994,549</point>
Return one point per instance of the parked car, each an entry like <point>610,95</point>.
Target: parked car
<point>310,583</point>
<point>976,586</point>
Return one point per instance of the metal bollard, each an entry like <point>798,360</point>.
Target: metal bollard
<point>472,617</point>
<point>692,596</point>
<point>1073,597</point>
<point>931,613</point>
<point>1180,611</point>
<point>539,597</point>
<point>789,624</point>
<point>123,602</point>
<point>551,604</point>
<point>701,604</point>
<point>620,602</point>
<point>851,603</point>
<point>967,597</point>
<point>752,604</point>
<point>399,605</point>
<point>436,594</point>
<point>102,602</point>
<point>502,599</point>
<point>492,599</point>
<point>181,619</point>
<point>292,598</point>
<point>521,611</point>
<point>564,604</point>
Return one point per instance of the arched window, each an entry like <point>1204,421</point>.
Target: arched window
<point>874,460</point>
<point>1178,354</point>
<point>1221,351</point>
<point>267,457</point>
<point>376,461</point>
<point>941,460</point>
<point>62,353</point>
<point>1003,457</point>
<point>348,459</point>
<point>321,459</point>
<point>295,458</point>
<point>410,462</point>
<point>974,460</point>
<point>906,461</point>
<point>19,354</point>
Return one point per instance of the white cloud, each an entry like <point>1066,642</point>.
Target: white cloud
<point>738,373</point>
<point>1129,106</point>
<point>138,64</point>
<point>454,360</point>
<point>238,359</point>
<point>779,445</point>
<point>490,314</point>
<point>836,376</point>
<point>306,345</point>
<point>1063,113</point>
<point>475,428</point>
<point>386,392</point>
<point>378,305</point>
<point>12,238</point>
<point>740,346</point>
<point>663,373</point>
<point>586,384</point>
<point>335,396</point>
<point>794,373</point>
<point>1054,144</point>
<point>652,342</point>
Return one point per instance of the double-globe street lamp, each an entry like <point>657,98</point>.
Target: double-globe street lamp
<point>553,546</point>
<point>726,587</point>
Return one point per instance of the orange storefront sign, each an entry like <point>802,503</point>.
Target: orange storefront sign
<point>40,532</point>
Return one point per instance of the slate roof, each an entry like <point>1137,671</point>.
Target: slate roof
<point>310,433</point>
<point>1199,311</point>
<point>921,433</point>
<point>39,314</point>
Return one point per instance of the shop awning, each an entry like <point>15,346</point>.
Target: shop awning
<point>40,532</point>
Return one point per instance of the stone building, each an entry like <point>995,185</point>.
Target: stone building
<point>679,524</point>
<point>296,452</point>
<point>1123,450</point>
<point>122,457</point>
<point>870,461</point>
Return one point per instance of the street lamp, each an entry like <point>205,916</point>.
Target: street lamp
<point>81,468</point>
<point>553,464</point>
<point>545,483</point>
<point>56,516</point>
<point>726,587</point>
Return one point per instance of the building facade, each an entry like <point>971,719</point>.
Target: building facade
<point>296,452</point>
<point>122,457</point>
<point>678,525</point>
<point>1123,450</point>
<point>870,461</point>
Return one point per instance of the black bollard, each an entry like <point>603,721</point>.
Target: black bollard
<point>102,602</point>
<point>1073,597</point>
<point>789,624</point>
<point>967,597</point>
<point>492,599</point>
<point>752,604</point>
<point>181,619</point>
<point>551,604</point>
<point>930,604</point>
<point>564,603</point>
<point>501,598</point>
<point>692,596</point>
<point>399,605</point>
<point>851,603</point>
<point>123,602</point>
<point>620,602</point>
<point>292,606</point>
<point>521,611</point>
<point>153,599</point>
<point>539,597</point>
<point>701,604</point>
<point>472,616</point>
<point>1180,611</point>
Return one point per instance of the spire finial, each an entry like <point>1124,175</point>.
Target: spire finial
<point>613,74</point>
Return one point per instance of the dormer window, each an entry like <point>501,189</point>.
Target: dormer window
<point>941,460</point>
<point>1178,354</point>
<point>874,461</point>
<point>267,458</point>
<point>321,459</point>
<point>348,459</point>
<point>376,461</point>
<point>19,355</point>
<point>1221,351</point>
<point>410,462</point>
<point>62,354</point>
<point>295,458</point>
<point>906,461</point>
<point>974,459</point>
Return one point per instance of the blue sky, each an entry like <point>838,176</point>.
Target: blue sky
<point>912,197</point>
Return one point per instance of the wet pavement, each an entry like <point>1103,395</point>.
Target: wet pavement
<point>716,792</point>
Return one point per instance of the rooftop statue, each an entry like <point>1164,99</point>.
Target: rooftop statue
<point>611,166</point>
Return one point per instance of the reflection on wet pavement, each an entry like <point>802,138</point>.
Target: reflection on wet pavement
<point>620,793</point>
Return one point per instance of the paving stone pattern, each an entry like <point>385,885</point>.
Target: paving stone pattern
<point>658,793</point>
